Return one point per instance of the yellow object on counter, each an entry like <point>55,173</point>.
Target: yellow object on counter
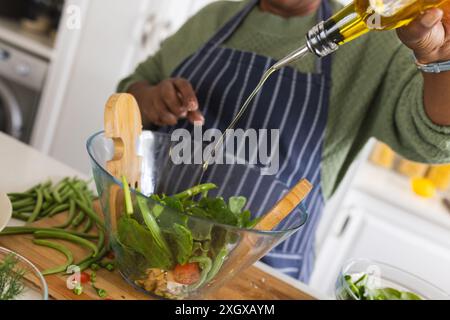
<point>423,187</point>
<point>412,169</point>
<point>383,156</point>
<point>440,176</point>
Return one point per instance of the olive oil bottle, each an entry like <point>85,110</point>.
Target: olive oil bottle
<point>356,19</point>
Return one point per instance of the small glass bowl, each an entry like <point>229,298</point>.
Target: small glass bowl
<point>35,286</point>
<point>383,275</point>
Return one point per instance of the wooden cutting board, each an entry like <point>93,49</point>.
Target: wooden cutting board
<point>252,284</point>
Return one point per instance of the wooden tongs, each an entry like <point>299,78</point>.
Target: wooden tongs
<point>123,124</point>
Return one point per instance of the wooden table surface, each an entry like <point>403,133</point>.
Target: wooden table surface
<point>252,284</point>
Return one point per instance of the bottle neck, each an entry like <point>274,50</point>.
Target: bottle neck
<point>319,42</point>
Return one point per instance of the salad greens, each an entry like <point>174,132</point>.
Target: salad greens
<point>361,290</point>
<point>161,235</point>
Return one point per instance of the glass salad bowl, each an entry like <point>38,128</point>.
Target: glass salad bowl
<point>187,244</point>
<point>363,279</point>
<point>20,279</point>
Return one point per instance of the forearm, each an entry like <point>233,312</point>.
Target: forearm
<point>437,97</point>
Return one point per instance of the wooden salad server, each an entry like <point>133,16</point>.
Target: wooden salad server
<point>285,206</point>
<point>269,222</point>
<point>123,124</point>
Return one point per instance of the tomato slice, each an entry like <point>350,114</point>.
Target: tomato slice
<point>85,277</point>
<point>187,274</point>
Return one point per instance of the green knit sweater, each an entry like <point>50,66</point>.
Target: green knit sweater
<point>376,88</point>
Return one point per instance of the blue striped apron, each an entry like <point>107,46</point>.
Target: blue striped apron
<point>293,102</point>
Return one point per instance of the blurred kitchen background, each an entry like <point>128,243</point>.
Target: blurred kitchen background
<point>61,60</point>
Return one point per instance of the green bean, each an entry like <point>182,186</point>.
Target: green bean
<point>71,216</point>
<point>77,191</point>
<point>38,207</point>
<point>48,208</point>
<point>60,248</point>
<point>63,235</point>
<point>78,219</point>
<point>88,225</point>
<point>22,203</point>
<point>91,213</point>
<point>61,184</point>
<point>195,190</point>
<point>66,196</point>
<point>101,247</point>
<point>10,231</point>
<point>25,209</point>
<point>58,209</point>
<point>20,195</point>
<point>20,216</point>
<point>45,206</point>
<point>57,196</point>
<point>47,196</point>
<point>83,265</point>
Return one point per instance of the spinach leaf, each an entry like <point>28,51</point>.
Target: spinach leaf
<point>237,204</point>
<point>181,239</point>
<point>152,225</point>
<point>135,236</point>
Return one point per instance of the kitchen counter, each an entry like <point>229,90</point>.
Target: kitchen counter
<point>395,189</point>
<point>22,166</point>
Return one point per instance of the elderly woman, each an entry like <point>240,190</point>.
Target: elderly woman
<point>326,109</point>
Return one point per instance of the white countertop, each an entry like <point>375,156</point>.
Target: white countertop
<point>395,189</point>
<point>21,167</point>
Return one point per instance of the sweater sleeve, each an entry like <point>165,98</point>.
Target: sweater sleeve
<point>400,118</point>
<point>186,41</point>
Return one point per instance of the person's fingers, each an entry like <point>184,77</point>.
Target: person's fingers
<point>171,99</point>
<point>158,113</point>
<point>165,115</point>
<point>187,92</point>
<point>196,117</point>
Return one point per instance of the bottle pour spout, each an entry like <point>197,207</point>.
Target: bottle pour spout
<point>317,42</point>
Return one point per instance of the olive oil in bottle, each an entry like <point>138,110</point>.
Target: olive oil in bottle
<point>357,19</point>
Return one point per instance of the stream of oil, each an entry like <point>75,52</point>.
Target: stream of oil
<point>238,116</point>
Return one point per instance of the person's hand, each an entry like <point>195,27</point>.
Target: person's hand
<point>429,35</point>
<point>167,102</point>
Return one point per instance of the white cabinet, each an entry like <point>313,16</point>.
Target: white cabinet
<point>367,227</point>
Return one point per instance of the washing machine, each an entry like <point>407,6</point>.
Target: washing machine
<point>22,78</point>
